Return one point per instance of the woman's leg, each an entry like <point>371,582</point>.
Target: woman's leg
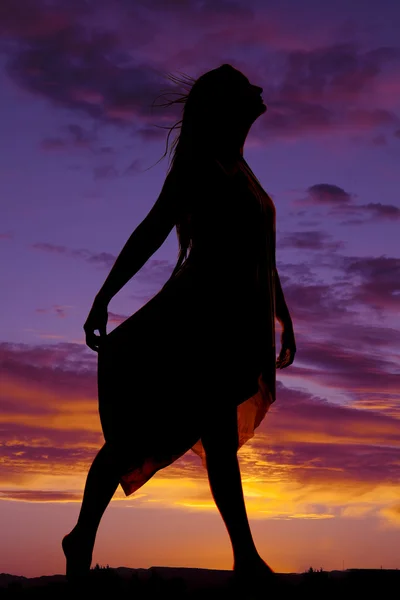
<point>220,442</point>
<point>101,484</point>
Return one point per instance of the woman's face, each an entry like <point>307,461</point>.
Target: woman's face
<point>249,98</point>
<point>226,101</point>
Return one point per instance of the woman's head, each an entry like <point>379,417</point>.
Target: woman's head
<point>222,105</point>
<point>218,112</point>
<point>224,99</point>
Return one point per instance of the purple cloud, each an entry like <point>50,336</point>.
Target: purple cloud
<point>105,172</point>
<point>58,310</point>
<point>380,281</point>
<point>63,366</point>
<point>327,193</point>
<point>103,259</point>
<point>379,140</point>
<point>382,211</point>
<point>58,53</point>
<point>81,69</point>
<point>77,137</point>
<point>51,144</point>
<point>310,240</point>
<point>318,88</point>
<point>135,167</point>
<point>329,463</point>
<point>340,203</point>
<point>155,271</point>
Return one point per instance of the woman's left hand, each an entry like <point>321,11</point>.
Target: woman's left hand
<point>97,320</point>
<point>288,350</point>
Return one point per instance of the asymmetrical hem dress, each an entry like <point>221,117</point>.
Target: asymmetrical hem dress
<point>206,340</point>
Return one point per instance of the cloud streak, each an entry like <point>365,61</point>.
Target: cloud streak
<point>80,57</point>
<point>340,204</point>
<point>155,271</point>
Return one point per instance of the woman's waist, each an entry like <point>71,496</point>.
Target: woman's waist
<point>225,265</point>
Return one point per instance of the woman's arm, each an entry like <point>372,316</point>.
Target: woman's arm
<point>282,311</point>
<point>142,244</point>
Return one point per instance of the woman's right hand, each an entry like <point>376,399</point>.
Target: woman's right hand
<point>97,320</point>
<point>288,349</point>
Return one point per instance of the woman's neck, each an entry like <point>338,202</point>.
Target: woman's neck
<point>229,157</point>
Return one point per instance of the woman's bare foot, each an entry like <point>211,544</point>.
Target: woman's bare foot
<point>78,550</point>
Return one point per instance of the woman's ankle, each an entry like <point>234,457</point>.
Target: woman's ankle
<point>83,534</point>
<point>246,557</point>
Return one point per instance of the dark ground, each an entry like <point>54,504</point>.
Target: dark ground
<point>180,583</point>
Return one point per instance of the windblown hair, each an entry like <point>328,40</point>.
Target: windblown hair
<point>205,121</point>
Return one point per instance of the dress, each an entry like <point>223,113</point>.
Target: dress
<point>205,339</point>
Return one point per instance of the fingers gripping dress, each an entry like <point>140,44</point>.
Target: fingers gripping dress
<point>206,340</point>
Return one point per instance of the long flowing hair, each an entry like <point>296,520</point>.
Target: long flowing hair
<point>176,150</point>
<point>205,121</point>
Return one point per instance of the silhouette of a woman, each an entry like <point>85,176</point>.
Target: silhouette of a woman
<point>195,366</point>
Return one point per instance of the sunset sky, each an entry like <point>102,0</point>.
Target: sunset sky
<point>77,77</point>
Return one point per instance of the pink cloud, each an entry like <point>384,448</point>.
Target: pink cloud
<point>59,311</point>
<point>39,496</point>
<point>116,318</point>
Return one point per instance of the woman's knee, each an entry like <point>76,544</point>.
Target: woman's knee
<point>220,430</point>
<point>222,449</point>
<point>120,458</point>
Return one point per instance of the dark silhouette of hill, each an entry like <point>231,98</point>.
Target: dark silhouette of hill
<point>182,583</point>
